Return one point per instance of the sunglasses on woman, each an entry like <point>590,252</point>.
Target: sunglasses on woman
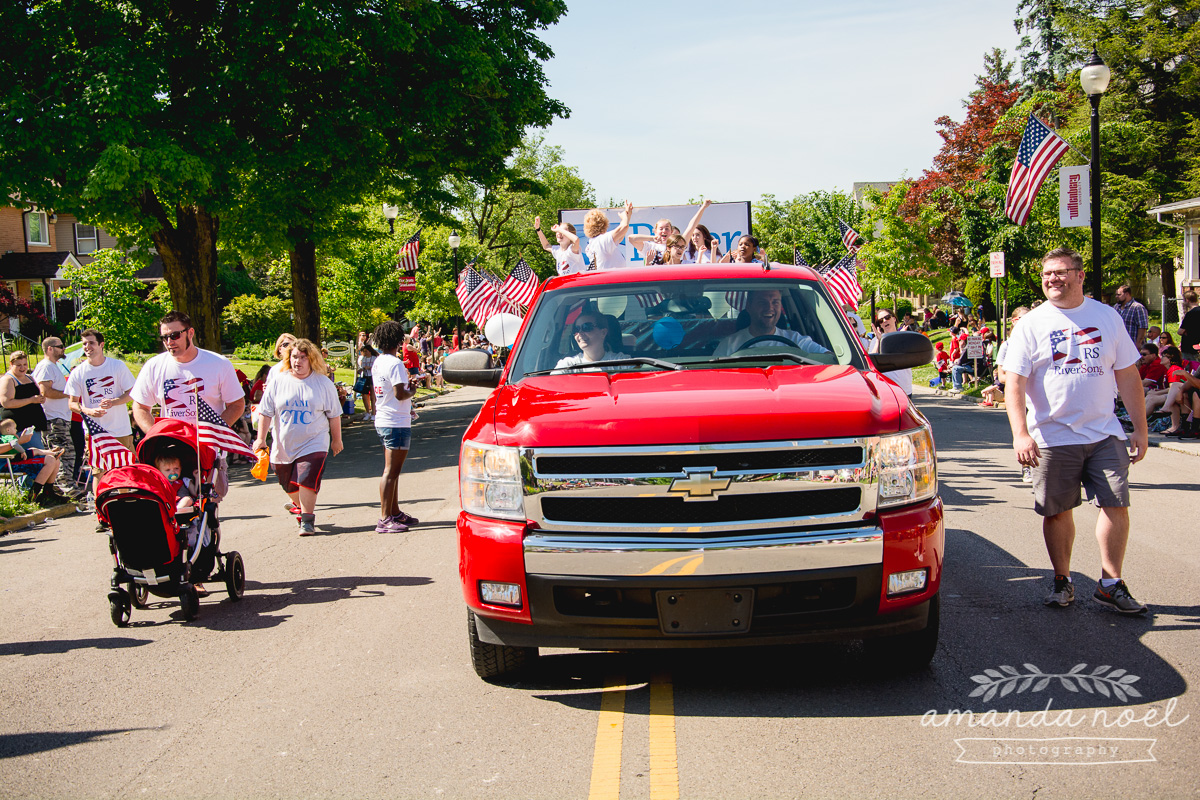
<point>585,327</point>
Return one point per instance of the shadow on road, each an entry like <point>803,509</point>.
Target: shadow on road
<point>60,646</point>
<point>21,744</point>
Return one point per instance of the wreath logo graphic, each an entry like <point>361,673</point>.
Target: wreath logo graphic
<point>1118,683</point>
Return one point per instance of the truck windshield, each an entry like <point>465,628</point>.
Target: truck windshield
<point>685,324</point>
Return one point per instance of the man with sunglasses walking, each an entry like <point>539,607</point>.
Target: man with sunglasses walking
<point>1065,361</point>
<point>99,388</point>
<point>178,380</point>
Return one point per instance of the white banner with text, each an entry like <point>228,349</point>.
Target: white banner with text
<point>1074,191</point>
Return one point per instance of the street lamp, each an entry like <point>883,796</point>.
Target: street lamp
<point>454,242</point>
<point>391,212</point>
<point>1095,76</point>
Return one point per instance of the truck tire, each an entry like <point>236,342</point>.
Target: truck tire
<point>496,660</point>
<point>909,651</point>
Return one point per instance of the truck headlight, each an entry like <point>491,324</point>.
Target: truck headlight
<point>489,481</point>
<point>906,467</point>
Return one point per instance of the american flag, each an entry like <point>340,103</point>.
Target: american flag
<point>737,300</point>
<point>843,280</point>
<point>409,252</point>
<point>848,235</point>
<point>797,259</point>
<point>649,299</point>
<point>105,451</point>
<point>1039,151</point>
<point>477,296</point>
<point>521,284</point>
<point>212,430</point>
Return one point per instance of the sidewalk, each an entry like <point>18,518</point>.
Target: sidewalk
<point>1189,446</point>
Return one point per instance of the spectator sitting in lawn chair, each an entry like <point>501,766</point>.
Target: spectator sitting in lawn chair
<point>41,465</point>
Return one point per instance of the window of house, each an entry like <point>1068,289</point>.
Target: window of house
<point>37,229</point>
<point>86,239</point>
<point>37,296</point>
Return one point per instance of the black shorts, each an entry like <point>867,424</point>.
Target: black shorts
<point>304,471</point>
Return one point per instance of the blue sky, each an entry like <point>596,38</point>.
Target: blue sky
<point>674,100</point>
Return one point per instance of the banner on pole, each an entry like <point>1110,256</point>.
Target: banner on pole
<point>1074,191</point>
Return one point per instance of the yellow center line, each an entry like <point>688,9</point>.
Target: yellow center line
<point>606,761</point>
<point>664,767</point>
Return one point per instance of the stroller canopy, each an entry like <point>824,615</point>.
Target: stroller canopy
<point>176,438</point>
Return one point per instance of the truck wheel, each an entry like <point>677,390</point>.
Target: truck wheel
<point>496,660</point>
<point>909,651</point>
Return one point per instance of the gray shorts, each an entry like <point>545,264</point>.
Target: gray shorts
<point>1102,468</point>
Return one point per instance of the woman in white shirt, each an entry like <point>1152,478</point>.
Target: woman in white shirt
<point>568,259</point>
<point>603,248</point>
<point>703,247</point>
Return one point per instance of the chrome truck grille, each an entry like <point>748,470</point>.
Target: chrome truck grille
<point>744,507</point>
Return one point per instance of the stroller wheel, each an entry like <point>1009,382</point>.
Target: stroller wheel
<point>139,594</point>
<point>119,607</point>
<point>235,575</point>
<point>189,600</point>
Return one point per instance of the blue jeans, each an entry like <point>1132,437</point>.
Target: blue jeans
<point>957,373</point>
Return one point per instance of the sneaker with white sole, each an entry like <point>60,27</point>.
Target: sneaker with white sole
<point>1118,598</point>
<point>307,524</point>
<point>1063,593</point>
<point>393,525</point>
<point>1026,475</point>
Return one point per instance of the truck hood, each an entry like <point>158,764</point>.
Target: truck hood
<point>695,406</point>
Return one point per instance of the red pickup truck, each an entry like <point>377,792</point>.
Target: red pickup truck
<point>696,456</point>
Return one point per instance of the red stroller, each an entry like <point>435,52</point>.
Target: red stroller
<point>149,541</point>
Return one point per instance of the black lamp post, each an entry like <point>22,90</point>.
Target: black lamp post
<point>391,212</point>
<point>454,242</point>
<point>1095,76</point>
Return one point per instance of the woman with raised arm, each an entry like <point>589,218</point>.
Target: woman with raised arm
<point>703,247</point>
<point>568,259</point>
<point>603,248</point>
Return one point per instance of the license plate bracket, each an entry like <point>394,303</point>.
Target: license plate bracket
<point>699,612</point>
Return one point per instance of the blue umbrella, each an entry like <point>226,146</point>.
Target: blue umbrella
<point>957,299</point>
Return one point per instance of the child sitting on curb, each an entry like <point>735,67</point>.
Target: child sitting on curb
<point>41,464</point>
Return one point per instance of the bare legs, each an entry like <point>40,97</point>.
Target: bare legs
<point>1112,534</point>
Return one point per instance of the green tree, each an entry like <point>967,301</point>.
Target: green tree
<point>899,258</point>
<point>255,319</point>
<point>112,300</point>
<point>809,222</point>
<point>179,123</point>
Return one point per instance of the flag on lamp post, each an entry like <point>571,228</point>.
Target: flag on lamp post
<point>1039,150</point>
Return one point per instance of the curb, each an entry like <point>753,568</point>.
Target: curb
<point>29,520</point>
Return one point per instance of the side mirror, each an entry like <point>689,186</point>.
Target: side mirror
<point>471,368</point>
<point>902,350</point>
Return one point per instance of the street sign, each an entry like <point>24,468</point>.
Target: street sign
<point>996,261</point>
<point>974,347</point>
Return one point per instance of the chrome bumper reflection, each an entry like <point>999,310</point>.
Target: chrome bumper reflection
<point>600,556</point>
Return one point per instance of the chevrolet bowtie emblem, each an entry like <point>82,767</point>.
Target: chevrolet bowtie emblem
<point>699,485</point>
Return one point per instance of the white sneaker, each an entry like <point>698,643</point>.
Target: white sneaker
<point>367,417</point>
<point>1026,475</point>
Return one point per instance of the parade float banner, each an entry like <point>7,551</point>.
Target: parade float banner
<point>726,221</point>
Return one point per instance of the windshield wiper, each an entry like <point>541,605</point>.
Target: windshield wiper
<point>616,362</point>
<point>793,357</point>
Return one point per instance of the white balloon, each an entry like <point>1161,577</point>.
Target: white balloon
<point>501,330</point>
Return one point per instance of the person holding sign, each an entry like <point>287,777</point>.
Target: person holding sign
<point>301,409</point>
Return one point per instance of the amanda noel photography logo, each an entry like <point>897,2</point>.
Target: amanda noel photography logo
<point>1090,741</point>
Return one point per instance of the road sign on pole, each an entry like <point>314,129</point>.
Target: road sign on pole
<point>996,260</point>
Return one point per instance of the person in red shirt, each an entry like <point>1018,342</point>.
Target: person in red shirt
<point>412,357</point>
<point>1150,368</point>
<point>942,360</point>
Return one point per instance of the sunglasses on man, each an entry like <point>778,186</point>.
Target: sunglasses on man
<point>173,335</point>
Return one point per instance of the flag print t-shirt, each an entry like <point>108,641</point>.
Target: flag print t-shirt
<point>1070,357</point>
<point>91,384</point>
<point>300,411</point>
<point>175,386</point>
<point>567,261</point>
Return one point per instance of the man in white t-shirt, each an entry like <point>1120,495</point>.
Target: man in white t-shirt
<point>51,377</point>
<point>765,307</point>
<point>603,247</point>
<point>177,380</point>
<point>99,388</point>
<point>568,259</point>
<point>1064,363</point>
<point>393,422</point>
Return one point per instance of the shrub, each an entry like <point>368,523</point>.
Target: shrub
<point>14,502</point>
<point>256,319</point>
<point>250,351</point>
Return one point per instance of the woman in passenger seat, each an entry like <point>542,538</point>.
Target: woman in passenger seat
<point>596,335</point>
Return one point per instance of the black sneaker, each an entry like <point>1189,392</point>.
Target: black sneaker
<point>1063,593</point>
<point>1118,598</point>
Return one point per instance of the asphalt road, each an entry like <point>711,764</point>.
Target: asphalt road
<point>344,671</point>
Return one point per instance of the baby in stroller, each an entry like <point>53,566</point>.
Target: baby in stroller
<point>171,466</point>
